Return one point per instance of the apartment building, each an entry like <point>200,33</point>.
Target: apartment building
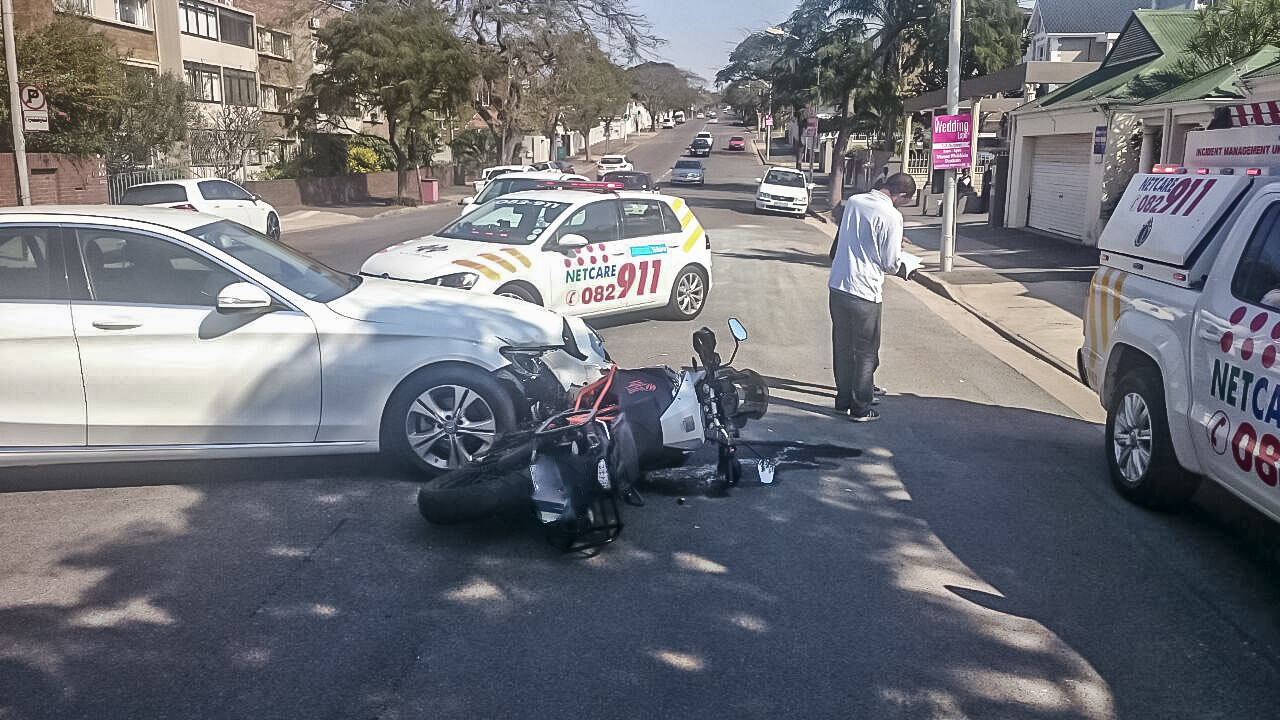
<point>244,61</point>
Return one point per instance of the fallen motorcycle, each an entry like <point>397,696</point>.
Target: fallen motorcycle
<point>571,470</point>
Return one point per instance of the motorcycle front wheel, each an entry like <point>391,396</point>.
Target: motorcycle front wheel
<point>498,485</point>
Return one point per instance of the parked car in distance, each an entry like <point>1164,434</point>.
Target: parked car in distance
<point>737,142</point>
<point>563,166</point>
<point>210,195</point>
<point>700,147</point>
<point>508,183</point>
<point>688,172</point>
<point>177,335</point>
<point>667,123</point>
<point>490,173</point>
<point>631,180</point>
<point>609,163</point>
<point>783,190</point>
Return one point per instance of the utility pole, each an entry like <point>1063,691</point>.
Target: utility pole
<point>15,104</point>
<point>947,256</point>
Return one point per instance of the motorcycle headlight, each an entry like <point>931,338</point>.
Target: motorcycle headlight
<point>462,280</point>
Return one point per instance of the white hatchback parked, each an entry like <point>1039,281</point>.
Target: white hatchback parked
<point>143,333</point>
<point>210,195</point>
<point>588,252</point>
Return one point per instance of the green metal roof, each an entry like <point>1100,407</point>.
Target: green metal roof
<point>1221,82</point>
<point>1266,71</point>
<point>1151,41</point>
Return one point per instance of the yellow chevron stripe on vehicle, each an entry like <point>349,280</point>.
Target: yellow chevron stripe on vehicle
<point>499,261</point>
<point>480,268</point>
<point>693,231</point>
<point>513,252</point>
<point>1103,306</point>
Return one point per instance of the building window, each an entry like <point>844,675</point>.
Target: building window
<point>76,7</point>
<point>235,28</point>
<point>199,19</point>
<point>276,99</point>
<point>204,81</point>
<point>133,12</point>
<point>240,87</point>
<point>216,23</point>
<point>273,43</point>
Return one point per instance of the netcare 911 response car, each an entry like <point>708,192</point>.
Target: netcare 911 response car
<point>584,249</point>
<point>1182,322</point>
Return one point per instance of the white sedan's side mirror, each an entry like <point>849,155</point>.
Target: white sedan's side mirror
<point>242,296</point>
<point>467,200</point>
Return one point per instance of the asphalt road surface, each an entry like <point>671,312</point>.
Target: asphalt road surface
<point>962,558</point>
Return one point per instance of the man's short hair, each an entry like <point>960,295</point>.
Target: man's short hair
<point>900,184</point>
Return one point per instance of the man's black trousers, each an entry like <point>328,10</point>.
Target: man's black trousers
<point>855,348</point>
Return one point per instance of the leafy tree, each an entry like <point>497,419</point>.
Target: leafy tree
<point>149,122</point>
<point>511,41</point>
<point>81,76</point>
<point>220,137</point>
<point>661,87</point>
<point>402,59</point>
<point>864,55</point>
<point>599,91</point>
<point>1232,29</point>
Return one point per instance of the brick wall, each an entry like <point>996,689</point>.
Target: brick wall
<point>55,179</point>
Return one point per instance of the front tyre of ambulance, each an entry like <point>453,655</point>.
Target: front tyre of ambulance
<point>1144,468</point>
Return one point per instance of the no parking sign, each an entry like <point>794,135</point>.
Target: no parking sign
<point>35,109</point>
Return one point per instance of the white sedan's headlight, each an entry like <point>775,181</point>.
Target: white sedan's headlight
<point>462,280</point>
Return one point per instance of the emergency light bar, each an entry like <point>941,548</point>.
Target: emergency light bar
<point>579,185</point>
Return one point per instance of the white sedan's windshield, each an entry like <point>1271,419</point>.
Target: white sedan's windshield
<point>785,179</point>
<point>506,220</point>
<point>303,275</point>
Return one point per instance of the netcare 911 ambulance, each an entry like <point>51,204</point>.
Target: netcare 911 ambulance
<point>1182,323</point>
<point>581,248</point>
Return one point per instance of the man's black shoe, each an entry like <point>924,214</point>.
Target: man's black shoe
<point>871,416</point>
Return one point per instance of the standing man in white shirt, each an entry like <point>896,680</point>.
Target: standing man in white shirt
<point>865,248</point>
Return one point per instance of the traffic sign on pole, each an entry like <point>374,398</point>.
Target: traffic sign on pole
<point>35,108</point>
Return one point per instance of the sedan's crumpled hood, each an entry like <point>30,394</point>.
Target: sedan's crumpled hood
<point>430,257</point>
<point>447,313</point>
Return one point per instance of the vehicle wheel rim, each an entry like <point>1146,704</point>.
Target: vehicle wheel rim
<point>448,425</point>
<point>1131,438</point>
<point>690,293</point>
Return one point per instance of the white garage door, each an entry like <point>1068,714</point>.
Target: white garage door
<point>1059,184</point>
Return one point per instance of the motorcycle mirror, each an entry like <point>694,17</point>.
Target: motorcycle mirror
<point>738,330</point>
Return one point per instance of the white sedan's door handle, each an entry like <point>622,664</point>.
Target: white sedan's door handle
<point>116,324</point>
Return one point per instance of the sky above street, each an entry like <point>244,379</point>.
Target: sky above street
<point>700,34</point>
